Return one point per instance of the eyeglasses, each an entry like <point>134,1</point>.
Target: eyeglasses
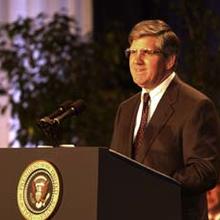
<point>144,52</point>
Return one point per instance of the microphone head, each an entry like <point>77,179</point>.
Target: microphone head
<point>78,106</point>
<point>66,109</point>
<point>63,107</point>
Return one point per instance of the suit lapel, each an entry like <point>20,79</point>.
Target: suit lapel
<point>159,119</point>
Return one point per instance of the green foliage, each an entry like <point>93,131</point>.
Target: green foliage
<point>48,62</point>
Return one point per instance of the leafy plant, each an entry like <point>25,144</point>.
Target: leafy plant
<point>48,62</point>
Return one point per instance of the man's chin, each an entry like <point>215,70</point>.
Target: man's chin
<point>139,83</point>
<point>143,85</point>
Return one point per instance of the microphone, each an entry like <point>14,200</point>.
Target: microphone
<point>64,106</point>
<point>74,109</point>
<point>48,120</point>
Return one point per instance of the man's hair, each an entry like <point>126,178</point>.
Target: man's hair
<point>168,42</point>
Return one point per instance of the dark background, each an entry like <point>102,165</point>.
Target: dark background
<point>197,23</point>
<point>129,12</point>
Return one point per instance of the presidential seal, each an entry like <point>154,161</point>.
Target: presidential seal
<point>38,190</point>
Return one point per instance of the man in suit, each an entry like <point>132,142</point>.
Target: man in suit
<point>181,134</point>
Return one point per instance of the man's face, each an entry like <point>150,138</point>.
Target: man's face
<point>148,69</point>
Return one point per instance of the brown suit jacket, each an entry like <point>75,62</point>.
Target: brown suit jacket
<point>182,140</point>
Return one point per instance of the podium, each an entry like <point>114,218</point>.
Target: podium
<point>97,184</point>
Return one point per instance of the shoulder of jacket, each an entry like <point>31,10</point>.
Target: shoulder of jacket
<point>191,92</point>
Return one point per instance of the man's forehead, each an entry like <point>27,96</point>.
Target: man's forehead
<point>146,41</point>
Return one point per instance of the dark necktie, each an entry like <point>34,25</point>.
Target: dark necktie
<point>140,134</point>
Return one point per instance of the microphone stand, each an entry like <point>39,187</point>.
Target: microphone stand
<point>51,130</point>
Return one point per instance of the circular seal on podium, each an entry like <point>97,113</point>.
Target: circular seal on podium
<point>38,190</point>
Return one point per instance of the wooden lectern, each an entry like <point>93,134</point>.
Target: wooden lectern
<point>97,184</point>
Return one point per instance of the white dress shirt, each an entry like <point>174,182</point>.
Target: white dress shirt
<point>155,96</point>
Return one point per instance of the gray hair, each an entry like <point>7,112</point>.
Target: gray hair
<point>168,42</point>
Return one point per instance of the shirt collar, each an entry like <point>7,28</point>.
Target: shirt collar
<point>161,88</point>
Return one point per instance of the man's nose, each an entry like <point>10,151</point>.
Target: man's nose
<point>139,58</point>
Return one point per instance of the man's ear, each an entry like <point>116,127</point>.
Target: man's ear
<point>170,62</point>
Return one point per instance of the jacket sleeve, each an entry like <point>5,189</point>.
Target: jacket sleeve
<point>201,144</point>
